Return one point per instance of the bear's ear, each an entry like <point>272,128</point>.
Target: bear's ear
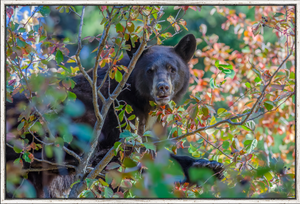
<point>186,47</point>
<point>132,49</point>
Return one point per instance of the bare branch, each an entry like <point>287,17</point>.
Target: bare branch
<point>101,46</point>
<point>55,164</point>
<point>79,49</point>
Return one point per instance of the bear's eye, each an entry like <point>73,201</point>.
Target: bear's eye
<point>149,71</point>
<point>172,69</point>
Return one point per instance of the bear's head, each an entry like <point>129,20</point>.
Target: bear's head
<point>161,74</point>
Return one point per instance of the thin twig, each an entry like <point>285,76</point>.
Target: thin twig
<point>218,148</point>
<point>120,129</point>
<point>30,16</point>
<point>74,12</point>
<point>48,162</point>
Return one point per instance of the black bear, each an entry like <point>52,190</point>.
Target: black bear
<point>161,74</point>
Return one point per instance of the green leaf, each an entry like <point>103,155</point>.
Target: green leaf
<point>213,120</point>
<point>221,110</point>
<point>250,145</point>
<point>225,144</point>
<point>21,30</point>
<point>202,174</point>
<point>117,146</point>
<point>246,128</point>
<point>119,28</point>
<point>68,137</point>
<point>118,76</point>
<point>150,145</point>
<point>21,43</point>
<point>148,134</point>
<point>68,70</point>
<point>59,57</point>
<point>21,125</point>
<point>228,73</point>
<point>26,157</point>
<point>125,134</point>
<point>118,108</point>
<point>158,27</point>
<point>108,193</point>
<point>71,95</point>
<point>45,10</point>
<point>212,83</point>
<point>246,50</point>
<point>130,28</point>
<point>205,110</point>
<point>248,85</point>
<point>152,103</point>
<point>278,14</point>
<point>217,63</point>
<point>226,66</point>
<point>269,175</point>
<point>17,149</point>
<point>74,108</point>
<point>121,115</point>
<point>18,161</point>
<point>269,105</point>
<point>258,74</point>
<point>89,182</point>
<point>128,109</point>
<point>131,117</point>
<point>87,194</point>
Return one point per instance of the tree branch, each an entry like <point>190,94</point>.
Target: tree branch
<point>79,187</point>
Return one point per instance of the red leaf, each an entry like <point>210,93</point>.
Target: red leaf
<point>65,51</point>
<point>103,8</point>
<point>16,90</point>
<point>31,157</point>
<point>9,12</point>
<point>67,83</point>
<point>30,39</point>
<point>120,194</point>
<point>249,157</point>
<point>185,8</point>
<point>11,82</point>
<point>177,27</point>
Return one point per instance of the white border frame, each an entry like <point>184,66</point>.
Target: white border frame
<point>142,2</point>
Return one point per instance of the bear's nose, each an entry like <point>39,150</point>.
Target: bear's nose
<point>163,86</point>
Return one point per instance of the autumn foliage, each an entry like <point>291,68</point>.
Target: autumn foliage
<point>240,109</point>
